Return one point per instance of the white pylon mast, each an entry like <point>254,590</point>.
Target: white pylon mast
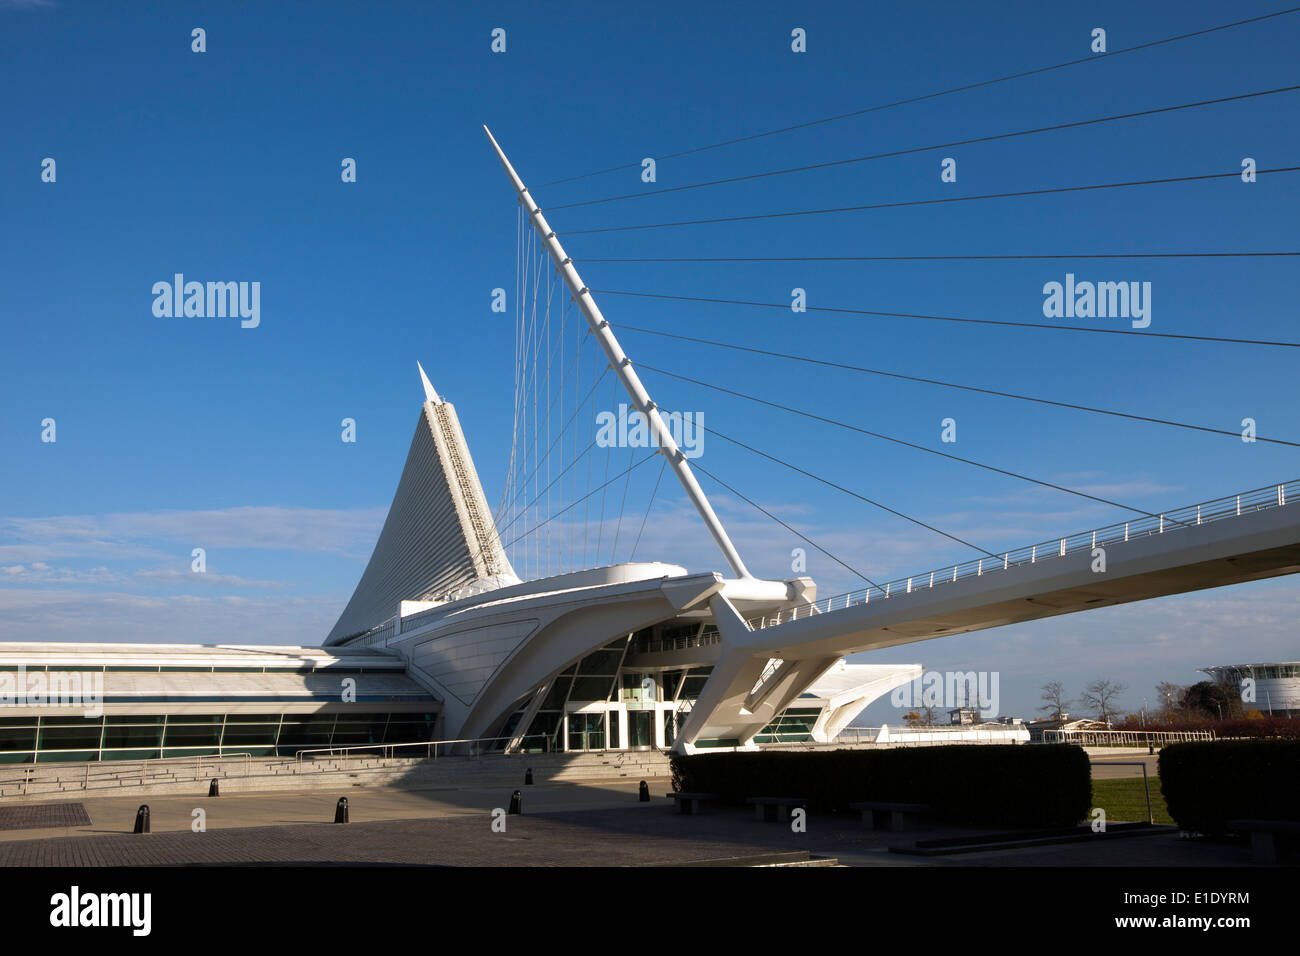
<point>622,366</point>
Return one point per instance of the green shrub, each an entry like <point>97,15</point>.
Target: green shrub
<point>1208,783</point>
<point>986,784</point>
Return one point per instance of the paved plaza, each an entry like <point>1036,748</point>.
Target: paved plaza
<point>562,825</point>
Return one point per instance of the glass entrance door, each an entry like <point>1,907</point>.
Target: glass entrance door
<point>640,729</point>
<point>586,732</point>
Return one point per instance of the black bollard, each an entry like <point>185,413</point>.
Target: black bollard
<point>645,792</point>
<point>213,789</point>
<point>528,777</point>
<point>142,819</point>
<point>516,803</point>
<point>341,811</point>
<point>1151,748</point>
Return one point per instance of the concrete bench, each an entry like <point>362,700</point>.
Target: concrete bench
<point>688,802</point>
<point>877,811</point>
<point>1263,836</point>
<point>773,809</point>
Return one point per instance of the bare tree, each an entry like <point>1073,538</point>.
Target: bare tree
<point>1101,695</point>
<point>1055,701</point>
<point>1171,700</point>
<point>1233,707</point>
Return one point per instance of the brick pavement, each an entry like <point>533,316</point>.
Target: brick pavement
<point>631,835</point>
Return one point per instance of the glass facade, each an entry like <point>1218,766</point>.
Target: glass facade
<point>793,725</point>
<point>65,738</point>
<point>591,680</point>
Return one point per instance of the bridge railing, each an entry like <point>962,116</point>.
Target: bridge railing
<point>1218,509</point>
<point>1124,738</point>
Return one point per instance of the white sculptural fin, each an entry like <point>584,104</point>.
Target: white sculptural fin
<point>429,393</point>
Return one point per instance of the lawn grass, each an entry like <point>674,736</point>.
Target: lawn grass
<point>1124,800</point>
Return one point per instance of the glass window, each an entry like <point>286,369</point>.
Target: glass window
<point>252,718</point>
<point>558,693</point>
<point>542,733</point>
<point>244,736</point>
<point>640,687</point>
<point>192,735</point>
<point>129,755</point>
<point>409,728</point>
<point>313,731</point>
<point>17,738</point>
<point>84,737</point>
<point>363,728</point>
<point>591,688</point>
<point>601,662</point>
<point>118,735</point>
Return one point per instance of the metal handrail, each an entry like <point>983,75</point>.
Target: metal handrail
<point>676,643</point>
<point>118,769</point>
<point>1232,506</point>
<point>387,751</point>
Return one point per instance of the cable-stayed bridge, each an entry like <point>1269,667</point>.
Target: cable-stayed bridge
<point>548,641</point>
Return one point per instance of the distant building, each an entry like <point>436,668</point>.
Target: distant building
<point>1272,689</point>
<point>1036,728</point>
<point>962,716</point>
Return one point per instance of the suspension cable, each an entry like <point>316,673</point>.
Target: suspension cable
<point>1093,58</point>
<point>830,164</point>
<point>897,441</point>
<point>1044,326</point>
<point>799,534</point>
<point>1203,177</point>
<point>966,388</point>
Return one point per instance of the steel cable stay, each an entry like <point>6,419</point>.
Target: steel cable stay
<point>910,203</point>
<point>853,160</point>
<point>1093,58</point>
<point>849,491</point>
<point>600,528</point>
<point>594,491</point>
<point>897,441</point>
<point>520,241</point>
<point>803,537</point>
<point>543,373</point>
<point>648,508</point>
<point>565,428</point>
<point>966,388</point>
<point>618,528</point>
<point>528,531</point>
<point>1043,326</point>
<point>1012,256</point>
<point>530,446</point>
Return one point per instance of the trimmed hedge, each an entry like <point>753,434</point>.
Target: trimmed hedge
<point>1249,727</point>
<point>1208,783</point>
<point>1014,785</point>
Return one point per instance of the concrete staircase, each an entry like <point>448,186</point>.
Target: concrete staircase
<point>245,775</point>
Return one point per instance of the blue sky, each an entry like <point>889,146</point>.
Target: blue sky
<point>175,433</point>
